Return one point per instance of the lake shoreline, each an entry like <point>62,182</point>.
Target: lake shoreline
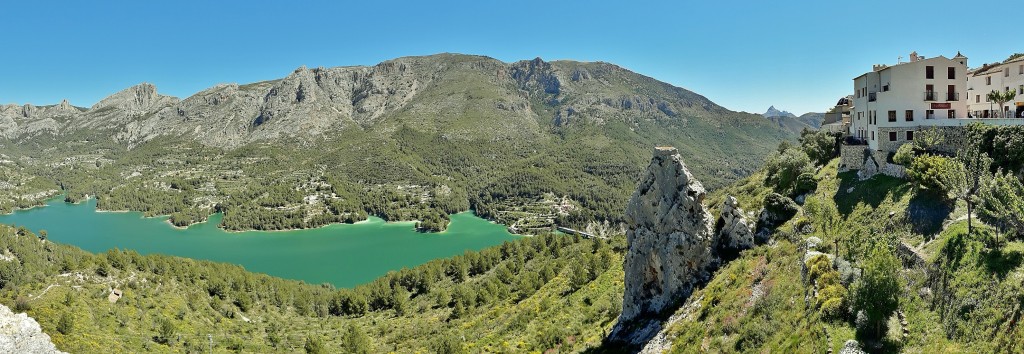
<point>87,198</point>
<point>366,250</point>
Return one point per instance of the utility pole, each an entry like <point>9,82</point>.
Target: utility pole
<point>210,338</point>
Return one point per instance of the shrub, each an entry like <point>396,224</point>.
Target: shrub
<point>165,330</point>
<point>784,168</point>
<point>780,208</point>
<point>21,304</point>
<point>904,155</point>
<point>314,345</point>
<point>820,146</point>
<point>805,183</point>
<point>928,170</point>
<point>66,323</point>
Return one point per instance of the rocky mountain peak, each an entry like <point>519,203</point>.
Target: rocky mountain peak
<point>140,97</point>
<point>774,112</point>
<point>670,237</point>
<point>65,105</point>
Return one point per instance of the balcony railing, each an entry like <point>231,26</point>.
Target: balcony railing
<point>930,95</point>
<point>952,96</point>
<point>872,97</point>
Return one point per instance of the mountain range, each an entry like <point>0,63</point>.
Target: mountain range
<point>458,98</point>
<point>522,99</point>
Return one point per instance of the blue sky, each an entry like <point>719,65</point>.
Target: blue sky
<point>798,55</point>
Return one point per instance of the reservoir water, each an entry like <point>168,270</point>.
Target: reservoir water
<point>343,255</point>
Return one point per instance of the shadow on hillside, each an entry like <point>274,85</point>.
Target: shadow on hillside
<point>926,213</point>
<point>1001,262</point>
<point>872,192</point>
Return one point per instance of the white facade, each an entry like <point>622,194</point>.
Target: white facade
<point>1000,77</point>
<point>917,93</point>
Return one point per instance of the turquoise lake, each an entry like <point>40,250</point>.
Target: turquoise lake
<point>343,255</point>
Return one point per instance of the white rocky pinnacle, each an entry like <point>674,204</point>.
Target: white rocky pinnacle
<point>670,237</point>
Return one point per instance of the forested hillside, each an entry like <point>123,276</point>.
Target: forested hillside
<point>529,144</point>
<point>531,295</point>
<point>886,262</point>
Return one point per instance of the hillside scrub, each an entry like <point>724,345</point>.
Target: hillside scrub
<point>520,296</point>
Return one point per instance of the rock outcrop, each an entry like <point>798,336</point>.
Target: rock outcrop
<point>732,229</point>
<point>21,334</point>
<point>670,238</point>
<point>778,209</point>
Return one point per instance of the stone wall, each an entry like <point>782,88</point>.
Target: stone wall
<point>851,157</point>
<point>950,134</point>
<point>868,163</point>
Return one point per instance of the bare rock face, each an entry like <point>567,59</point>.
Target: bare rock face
<point>21,334</point>
<point>732,228</point>
<point>670,238</point>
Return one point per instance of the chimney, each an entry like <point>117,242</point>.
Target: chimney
<point>914,57</point>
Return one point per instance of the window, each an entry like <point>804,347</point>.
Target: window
<point>892,136</point>
<point>988,80</point>
<point>952,72</point>
<point>860,115</point>
<point>1020,90</point>
<point>892,116</point>
<point>872,135</point>
<point>929,72</point>
<point>910,135</point>
<point>977,98</point>
<point>1006,72</point>
<point>1020,69</point>
<point>951,114</point>
<point>929,114</point>
<point>909,115</point>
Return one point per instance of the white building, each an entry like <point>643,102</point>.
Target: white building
<point>999,77</point>
<point>891,102</point>
<point>837,118</point>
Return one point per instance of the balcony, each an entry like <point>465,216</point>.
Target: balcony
<point>930,95</point>
<point>952,96</point>
<point>872,97</point>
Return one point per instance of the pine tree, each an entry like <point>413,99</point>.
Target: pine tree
<point>355,341</point>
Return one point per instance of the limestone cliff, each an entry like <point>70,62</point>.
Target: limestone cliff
<point>21,334</point>
<point>670,238</point>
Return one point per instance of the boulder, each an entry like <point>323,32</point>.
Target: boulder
<point>732,229</point>
<point>851,347</point>
<point>777,210</point>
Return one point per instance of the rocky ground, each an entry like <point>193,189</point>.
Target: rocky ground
<point>21,334</point>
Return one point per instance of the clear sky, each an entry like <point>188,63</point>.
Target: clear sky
<point>745,55</point>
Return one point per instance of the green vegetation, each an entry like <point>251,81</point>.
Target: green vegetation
<point>895,251</point>
<point>1001,97</point>
<point>544,292</point>
<point>876,293</point>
